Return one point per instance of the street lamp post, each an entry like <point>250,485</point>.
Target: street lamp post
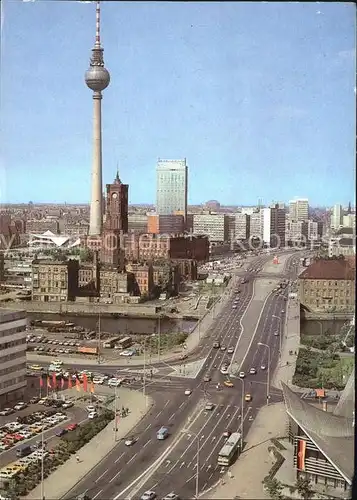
<point>197,437</point>
<point>159,338</point>
<point>242,415</point>
<point>280,334</point>
<point>268,376</point>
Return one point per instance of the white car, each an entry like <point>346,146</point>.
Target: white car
<point>114,382</point>
<point>276,334</point>
<point>91,408</point>
<point>93,414</point>
<point>241,374</point>
<point>263,367</point>
<point>224,370</point>
<point>68,404</point>
<point>252,371</point>
<point>188,392</point>
<point>230,350</point>
<point>171,496</point>
<point>130,441</point>
<point>20,406</point>
<point>148,495</point>
<point>223,348</point>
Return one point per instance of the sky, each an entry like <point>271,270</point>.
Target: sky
<point>259,97</point>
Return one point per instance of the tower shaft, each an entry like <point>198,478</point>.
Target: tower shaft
<point>96,205</point>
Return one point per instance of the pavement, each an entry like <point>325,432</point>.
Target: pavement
<point>71,472</point>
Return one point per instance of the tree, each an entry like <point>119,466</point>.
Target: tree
<point>274,488</point>
<point>85,255</point>
<point>304,489</point>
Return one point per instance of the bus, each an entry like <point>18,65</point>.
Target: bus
<point>230,449</point>
<point>110,343</point>
<point>124,343</point>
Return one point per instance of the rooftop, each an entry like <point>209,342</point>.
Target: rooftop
<point>332,434</point>
<point>329,269</point>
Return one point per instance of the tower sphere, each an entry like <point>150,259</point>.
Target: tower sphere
<point>97,78</point>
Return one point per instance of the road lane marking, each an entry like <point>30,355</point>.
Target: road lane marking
<point>182,404</point>
<point>100,477</point>
<point>95,496</point>
<point>188,480</point>
<point>157,463</point>
<point>132,458</point>
<point>159,414</point>
<point>167,402</point>
<point>148,427</point>
<point>183,463</point>
<point>117,460</point>
<point>147,443</point>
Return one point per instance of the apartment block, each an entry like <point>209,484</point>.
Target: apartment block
<point>242,226</point>
<point>12,356</point>
<point>54,281</point>
<point>299,210</point>
<point>214,226</point>
<point>166,224</point>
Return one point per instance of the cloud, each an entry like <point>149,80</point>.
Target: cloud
<point>290,112</point>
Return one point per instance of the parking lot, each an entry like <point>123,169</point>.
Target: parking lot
<point>23,428</point>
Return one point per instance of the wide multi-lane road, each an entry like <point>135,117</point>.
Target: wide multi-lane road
<point>128,471</point>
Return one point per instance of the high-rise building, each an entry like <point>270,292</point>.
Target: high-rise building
<point>273,226</point>
<point>12,356</point>
<point>255,227</point>
<point>299,210</point>
<point>242,223</point>
<point>171,188</point>
<point>337,217</point>
<point>97,79</point>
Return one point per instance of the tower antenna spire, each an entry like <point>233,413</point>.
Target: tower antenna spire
<point>97,25</point>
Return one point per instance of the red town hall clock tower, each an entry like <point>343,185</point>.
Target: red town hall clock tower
<point>116,212</point>
<point>116,223</point>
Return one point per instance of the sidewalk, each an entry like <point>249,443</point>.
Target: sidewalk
<point>70,473</point>
<point>290,342</point>
<point>255,462</point>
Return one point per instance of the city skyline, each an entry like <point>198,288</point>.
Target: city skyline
<point>304,111</point>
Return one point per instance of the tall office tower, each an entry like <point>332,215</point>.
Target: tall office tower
<point>299,210</point>
<point>117,206</point>
<point>171,187</point>
<point>337,217</point>
<point>273,226</point>
<point>97,79</point>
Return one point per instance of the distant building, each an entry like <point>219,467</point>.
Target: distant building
<point>171,187</point>
<point>36,226</point>
<point>349,220</point>
<point>54,281</point>
<point>138,223</point>
<point>76,229</point>
<point>328,285</point>
<point>12,356</point>
<point>297,233</point>
<point>213,205</point>
<point>255,227</point>
<point>214,226</point>
<point>337,217</point>
<point>116,206</point>
<point>299,210</point>
<point>114,284</point>
<point>273,226</point>
<point>165,224</point>
<point>2,267</point>
<point>242,226</point>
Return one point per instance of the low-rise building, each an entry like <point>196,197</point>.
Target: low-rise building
<point>328,285</point>
<point>166,276</point>
<point>138,223</point>
<point>165,224</point>
<point>55,281</point>
<point>143,281</point>
<point>114,284</point>
<point>12,356</point>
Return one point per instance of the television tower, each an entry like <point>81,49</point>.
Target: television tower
<point>97,79</point>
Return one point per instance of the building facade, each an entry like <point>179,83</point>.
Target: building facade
<point>299,210</point>
<point>297,233</point>
<point>137,223</point>
<point>255,227</point>
<point>328,285</point>
<point>54,281</point>
<point>273,221</point>
<point>12,356</point>
<point>242,226</point>
<point>214,226</point>
<point>116,206</point>
<point>165,224</point>
<point>171,187</point>
<point>337,217</point>
<point>143,280</point>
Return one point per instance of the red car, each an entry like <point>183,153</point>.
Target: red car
<point>71,427</point>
